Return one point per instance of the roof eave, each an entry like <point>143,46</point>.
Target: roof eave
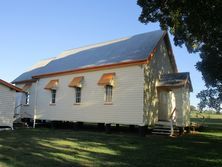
<point>10,86</point>
<point>24,81</point>
<point>173,61</point>
<point>93,68</point>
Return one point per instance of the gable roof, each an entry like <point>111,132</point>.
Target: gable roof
<point>125,50</point>
<point>175,80</point>
<point>10,86</point>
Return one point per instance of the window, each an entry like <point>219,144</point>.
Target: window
<point>108,93</point>
<point>27,98</point>
<point>53,92</point>
<point>52,86</point>
<point>78,94</point>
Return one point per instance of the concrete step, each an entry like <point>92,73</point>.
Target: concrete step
<point>163,123</point>
<point>161,126</point>
<point>162,129</point>
<point>161,133</point>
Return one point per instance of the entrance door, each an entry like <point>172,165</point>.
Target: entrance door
<point>163,106</point>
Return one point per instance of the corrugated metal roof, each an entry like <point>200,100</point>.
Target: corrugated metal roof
<point>175,80</point>
<point>128,49</point>
<point>10,86</point>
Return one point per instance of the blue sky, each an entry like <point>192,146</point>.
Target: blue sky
<point>39,29</point>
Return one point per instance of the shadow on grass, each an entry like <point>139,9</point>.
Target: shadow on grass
<point>51,147</point>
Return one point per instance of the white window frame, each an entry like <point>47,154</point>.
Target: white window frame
<point>78,94</point>
<point>53,96</point>
<point>108,94</point>
<point>27,98</point>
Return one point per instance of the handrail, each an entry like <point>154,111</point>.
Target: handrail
<point>171,122</point>
<point>23,114</point>
<point>171,115</point>
<point>18,106</point>
<point>15,114</point>
<point>28,114</point>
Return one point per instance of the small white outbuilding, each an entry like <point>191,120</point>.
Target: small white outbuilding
<point>7,103</point>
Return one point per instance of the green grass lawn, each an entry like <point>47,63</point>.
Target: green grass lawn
<point>212,122</point>
<point>56,147</point>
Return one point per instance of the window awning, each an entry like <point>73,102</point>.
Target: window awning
<point>76,82</point>
<point>53,84</point>
<point>26,86</point>
<point>107,79</point>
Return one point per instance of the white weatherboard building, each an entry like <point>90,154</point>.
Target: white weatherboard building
<point>7,103</point>
<point>132,81</point>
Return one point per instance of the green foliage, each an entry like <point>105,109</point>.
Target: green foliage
<point>209,111</point>
<point>209,98</point>
<point>192,108</point>
<point>198,25</point>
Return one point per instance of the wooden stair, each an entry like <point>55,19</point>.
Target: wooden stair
<point>18,122</point>
<point>164,128</point>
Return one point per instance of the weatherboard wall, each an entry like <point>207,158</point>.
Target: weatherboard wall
<point>160,64</point>
<point>182,106</point>
<point>26,110</point>
<point>7,106</point>
<point>127,106</point>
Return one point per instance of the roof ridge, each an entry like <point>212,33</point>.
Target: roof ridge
<point>94,45</point>
<point>111,40</point>
<point>90,46</point>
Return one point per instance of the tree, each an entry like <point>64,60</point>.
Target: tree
<point>198,25</point>
<point>201,106</point>
<point>192,108</point>
<point>210,98</point>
